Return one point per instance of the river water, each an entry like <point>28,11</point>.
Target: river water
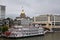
<point>48,36</point>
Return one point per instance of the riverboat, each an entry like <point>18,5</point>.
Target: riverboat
<point>28,31</point>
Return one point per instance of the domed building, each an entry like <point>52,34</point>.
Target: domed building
<point>22,15</point>
<point>23,19</point>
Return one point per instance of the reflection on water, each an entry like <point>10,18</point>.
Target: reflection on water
<point>49,36</point>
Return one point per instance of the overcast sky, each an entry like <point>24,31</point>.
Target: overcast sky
<point>31,7</point>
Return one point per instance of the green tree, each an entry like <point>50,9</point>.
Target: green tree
<point>0,29</point>
<point>5,28</point>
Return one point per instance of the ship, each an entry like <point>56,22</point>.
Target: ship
<point>27,31</point>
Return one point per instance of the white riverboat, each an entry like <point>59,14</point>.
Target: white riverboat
<point>21,31</point>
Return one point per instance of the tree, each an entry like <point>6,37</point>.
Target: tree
<point>0,29</point>
<point>5,28</point>
<point>10,21</point>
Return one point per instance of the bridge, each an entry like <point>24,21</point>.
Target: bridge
<point>46,24</point>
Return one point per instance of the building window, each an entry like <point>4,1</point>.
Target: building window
<point>56,23</point>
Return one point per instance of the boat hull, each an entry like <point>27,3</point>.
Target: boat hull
<point>22,36</point>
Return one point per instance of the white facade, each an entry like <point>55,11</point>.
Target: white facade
<point>23,21</point>
<point>48,21</point>
<point>2,12</point>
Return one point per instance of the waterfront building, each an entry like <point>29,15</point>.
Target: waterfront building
<point>23,19</point>
<point>2,12</point>
<point>48,21</point>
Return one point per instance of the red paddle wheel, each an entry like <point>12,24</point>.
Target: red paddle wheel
<point>7,33</point>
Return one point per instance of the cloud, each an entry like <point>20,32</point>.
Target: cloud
<point>31,7</point>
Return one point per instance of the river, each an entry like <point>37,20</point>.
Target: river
<point>48,36</point>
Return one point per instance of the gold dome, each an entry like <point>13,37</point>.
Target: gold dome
<point>22,12</point>
<point>22,15</point>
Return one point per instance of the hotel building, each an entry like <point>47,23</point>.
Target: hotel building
<point>2,12</point>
